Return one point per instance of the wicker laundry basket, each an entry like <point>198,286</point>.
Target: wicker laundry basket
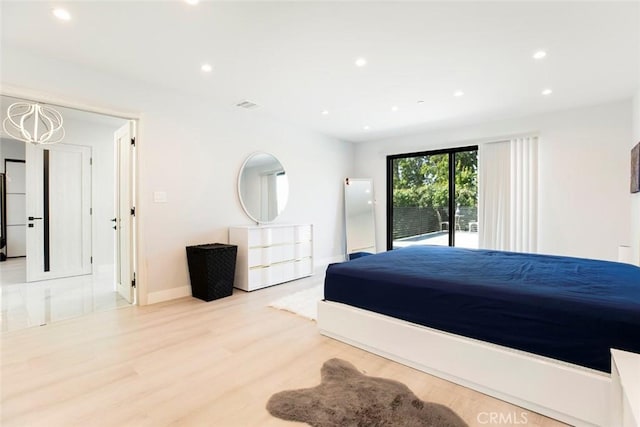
<point>212,270</point>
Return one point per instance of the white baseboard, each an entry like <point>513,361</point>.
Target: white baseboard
<point>168,294</point>
<point>105,269</point>
<point>321,264</point>
<point>320,267</point>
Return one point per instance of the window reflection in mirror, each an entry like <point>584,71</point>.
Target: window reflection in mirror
<point>263,187</point>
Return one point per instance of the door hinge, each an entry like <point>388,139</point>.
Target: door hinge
<point>133,141</point>
<point>91,260</point>
<point>133,211</point>
<point>91,161</point>
<point>133,282</point>
<point>90,211</point>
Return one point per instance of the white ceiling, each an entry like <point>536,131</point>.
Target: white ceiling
<point>296,59</point>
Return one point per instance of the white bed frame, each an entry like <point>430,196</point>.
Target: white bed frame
<point>566,392</point>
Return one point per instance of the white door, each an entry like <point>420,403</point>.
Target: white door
<point>58,184</point>
<point>125,218</point>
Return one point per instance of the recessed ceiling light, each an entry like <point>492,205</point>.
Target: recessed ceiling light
<point>366,127</point>
<point>547,92</point>
<point>207,68</point>
<point>539,54</point>
<point>458,93</point>
<point>192,2</point>
<point>421,102</point>
<point>325,112</point>
<point>361,62</point>
<point>61,14</point>
<point>394,108</point>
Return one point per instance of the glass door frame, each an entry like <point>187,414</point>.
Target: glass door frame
<point>452,185</point>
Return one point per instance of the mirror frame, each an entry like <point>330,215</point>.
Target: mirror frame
<point>239,188</point>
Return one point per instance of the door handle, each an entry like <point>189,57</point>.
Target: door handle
<point>115,227</point>
<point>31,218</point>
<point>114,219</point>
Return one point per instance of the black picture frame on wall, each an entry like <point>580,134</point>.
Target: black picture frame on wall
<point>635,168</point>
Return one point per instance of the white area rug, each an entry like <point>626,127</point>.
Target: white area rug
<point>303,303</point>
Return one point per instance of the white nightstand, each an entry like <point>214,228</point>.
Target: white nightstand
<point>625,382</point>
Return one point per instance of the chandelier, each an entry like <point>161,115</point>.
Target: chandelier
<point>33,123</point>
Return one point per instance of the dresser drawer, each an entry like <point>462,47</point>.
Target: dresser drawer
<point>303,250</point>
<point>259,277</point>
<point>303,233</point>
<point>303,267</point>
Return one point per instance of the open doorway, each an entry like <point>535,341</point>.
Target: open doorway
<point>77,221</point>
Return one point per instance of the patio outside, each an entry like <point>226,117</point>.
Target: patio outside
<point>464,239</point>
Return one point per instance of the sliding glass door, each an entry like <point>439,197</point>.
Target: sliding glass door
<point>432,198</point>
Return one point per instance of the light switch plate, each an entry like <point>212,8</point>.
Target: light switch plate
<point>159,197</point>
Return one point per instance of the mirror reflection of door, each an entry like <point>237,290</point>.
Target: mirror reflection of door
<point>3,217</point>
<point>15,208</point>
<point>359,216</point>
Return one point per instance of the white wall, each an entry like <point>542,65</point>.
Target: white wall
<point>583,183</point>
<point>634,239</point>
<point>10,149</point>
<point>192,149</point>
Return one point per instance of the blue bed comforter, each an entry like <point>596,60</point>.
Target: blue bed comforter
<point>569,309</point>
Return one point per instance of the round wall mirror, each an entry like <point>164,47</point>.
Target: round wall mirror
<point>263,187</point>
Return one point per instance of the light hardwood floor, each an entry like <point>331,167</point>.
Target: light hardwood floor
<point>191,363</point>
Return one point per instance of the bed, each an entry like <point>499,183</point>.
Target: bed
<point>549,322</point>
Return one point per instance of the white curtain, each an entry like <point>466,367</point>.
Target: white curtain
<point>508,205</point>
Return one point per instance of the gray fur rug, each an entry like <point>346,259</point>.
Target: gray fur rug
<point>347,397</point>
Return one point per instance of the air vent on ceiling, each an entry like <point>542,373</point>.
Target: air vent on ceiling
<point>249,105</point>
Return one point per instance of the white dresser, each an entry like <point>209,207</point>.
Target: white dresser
<point>271,254</point>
